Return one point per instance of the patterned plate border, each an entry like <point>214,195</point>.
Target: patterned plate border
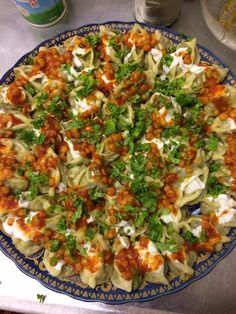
<point>106,293</point>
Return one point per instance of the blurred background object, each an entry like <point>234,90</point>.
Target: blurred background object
<point>220,17</point>
<point>228,15</point>
<point>41,13</point>
<point>157,12</point>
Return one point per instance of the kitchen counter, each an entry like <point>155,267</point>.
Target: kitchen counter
<point>215,293</point>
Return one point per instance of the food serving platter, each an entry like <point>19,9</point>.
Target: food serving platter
<point>107,293</point>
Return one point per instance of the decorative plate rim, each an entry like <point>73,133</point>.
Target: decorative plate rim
<point>227,248</point>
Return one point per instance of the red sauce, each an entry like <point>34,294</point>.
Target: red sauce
<point>212,237</point>
<point>127,261</point>
<point>180,256</point>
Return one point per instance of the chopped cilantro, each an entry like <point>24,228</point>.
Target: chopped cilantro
<point>175,155</point>
<point>53,260</point>
<point>41,98</point>
<point>78,204</point>
<point>189,237</point>
<point>96,194</point>
<point>212,143</point>
<point>215,187</point>
<point>74,124</point>
<point>125,70</point>
<point>30,89</point>
<point>54,208</point>
<point>35,181</point>
<point>92,137</point>
<point>29,137</point>
<point>41,298</point>
<point>90,234</point>
<point>56,106</point>
<point>200,143</point>
<point>118,51</point>
<point>187,101</point>
<point>170,245</point>
<point>171,131</point>
<point>39,121</point>
<point>129,208</point>
<point>55,245</point>
<point>155,229</point>
<point>172,88</point>
<point>93,39</point>
<point>214,166</point>
<point>102,226</point>
<point>167,60</point>
<point>118,168</point>
<point>110,127</point>
<point>81,250</point>
<point>140,219</point>
<point>70,244</point>
<point>88,85</point>
<point>61,226</point>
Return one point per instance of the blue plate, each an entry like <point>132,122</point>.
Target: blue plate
<point>107,293</point>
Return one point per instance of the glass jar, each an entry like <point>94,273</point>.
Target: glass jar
<point>157,12</point>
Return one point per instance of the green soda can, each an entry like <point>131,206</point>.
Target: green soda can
<point>41,13</point>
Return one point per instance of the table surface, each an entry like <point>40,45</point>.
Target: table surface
<point>213,294</point>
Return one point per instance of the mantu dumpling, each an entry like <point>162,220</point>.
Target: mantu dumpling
<point>224,208</point>
<point>190,188</point>
<point>152,262</point>
<point>95,271</point>
<point>24,234</point>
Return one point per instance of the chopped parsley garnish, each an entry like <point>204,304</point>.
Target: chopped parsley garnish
<point>167,60</point>
<point>214,166</point>
<point>41,98</point>
<point>92,137</point>
<point>55,208</point>
<point>78,204</point>
<point>212,143</point>
<point>175,155</point>
<point>215,187</point>
<point>53,260</point>
<point>200,143</point>
<point>81,250</point>
<point>125,70</point>
<point>30,89</point>
<point>61,226</point>
<point>93,39</point>
<point>55,245</point>
<point>140,219</point>
<point>39,120</point>
<point>70,244</point>
<point>110,127</point>
<point>118,168</point>
<point>155,229</point>
<point>30,137</point>
<point>171,131</point>
<point>132,209</point>
<point>41,297</point>
<point>74,124</point>
<point>90,234</point>
<point>96,194</point>
<point>35,180</point>
<point>172,88</point>
<point>170,245</point>
<point>187,101</point>
<point>189,237</point>
<point>88,85</point>
<point>56,106</point>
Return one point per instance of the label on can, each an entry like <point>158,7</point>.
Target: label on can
<point>41,12</point>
